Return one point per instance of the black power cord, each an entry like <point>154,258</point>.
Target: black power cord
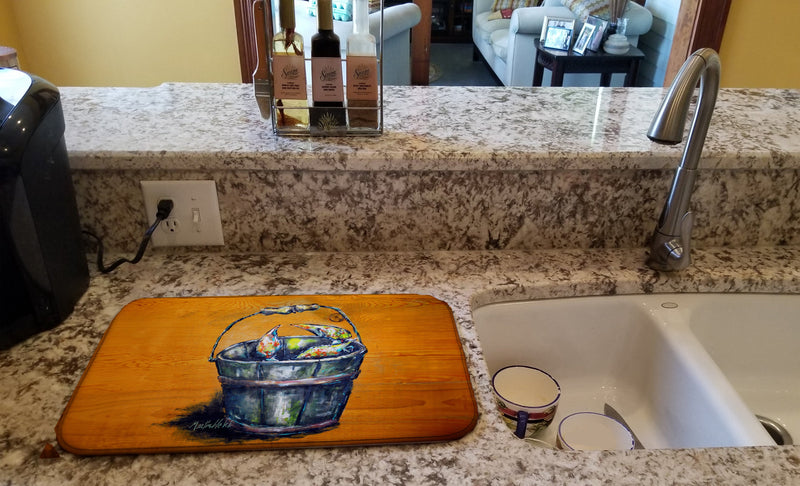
<point>164,209</point>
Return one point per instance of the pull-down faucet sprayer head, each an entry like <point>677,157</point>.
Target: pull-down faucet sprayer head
<point>668,124</point>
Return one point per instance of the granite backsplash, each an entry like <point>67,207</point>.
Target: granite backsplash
<point>517,169</point>
<point>266,211</point>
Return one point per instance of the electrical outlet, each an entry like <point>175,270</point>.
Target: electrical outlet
<point>194,220</point>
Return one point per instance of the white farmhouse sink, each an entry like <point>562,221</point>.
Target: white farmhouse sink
<point>755,341</point>
<point>684,370</point>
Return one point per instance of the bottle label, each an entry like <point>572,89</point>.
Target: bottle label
<point>326,82</point>
<point>289,74</point>
<point>362,78</point>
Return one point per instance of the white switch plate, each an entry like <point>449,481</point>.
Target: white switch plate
<point>194,220</point>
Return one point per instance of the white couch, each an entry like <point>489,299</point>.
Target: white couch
<point>397,23</point>
<point>508,44</point>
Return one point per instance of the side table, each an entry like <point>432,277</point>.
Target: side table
<point>561,62</point>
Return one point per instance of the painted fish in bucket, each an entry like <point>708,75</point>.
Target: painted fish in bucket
<point>269,344</point>
<point>325,351</point>
<point>288,385</point>
<point>334,332</point>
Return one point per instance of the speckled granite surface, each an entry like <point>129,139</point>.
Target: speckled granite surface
<point>265,211</point>
<point>457,168</point>
<point>562,181</point>
<point>217,126</point>
<point>38,375</point>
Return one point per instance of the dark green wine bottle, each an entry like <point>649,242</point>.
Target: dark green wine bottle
<point>327,86</point>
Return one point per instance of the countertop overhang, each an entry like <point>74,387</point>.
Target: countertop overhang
<point>218,126</point>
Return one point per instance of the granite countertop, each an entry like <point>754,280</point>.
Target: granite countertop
<point>118,136</point>
<point>38,376</point>
<point>217,126</point>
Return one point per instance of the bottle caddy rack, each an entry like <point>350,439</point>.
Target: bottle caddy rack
<point>346,112</point>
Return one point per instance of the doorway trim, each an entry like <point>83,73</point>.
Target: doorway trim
<point>701,23</point>
<point>245,35</point>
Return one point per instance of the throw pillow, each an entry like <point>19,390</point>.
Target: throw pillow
<point>512,4</point>
<point>500,14</point>
<point>584,8</point>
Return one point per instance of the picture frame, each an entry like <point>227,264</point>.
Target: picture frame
<point>582,42</point>
<point>557,33</point>
<point>600,27</point>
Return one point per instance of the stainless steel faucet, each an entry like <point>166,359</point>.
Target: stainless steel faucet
<point>671,243</point>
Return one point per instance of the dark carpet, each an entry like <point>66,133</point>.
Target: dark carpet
<point>452,65</point>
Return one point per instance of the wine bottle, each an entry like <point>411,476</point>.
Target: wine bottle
<point>289,72</point>
<point>362,70</point>
<point>327,112</point>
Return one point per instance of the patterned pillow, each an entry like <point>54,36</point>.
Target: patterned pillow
<point>500,14</point>
<point>512,4</point>
<point>584,8</point>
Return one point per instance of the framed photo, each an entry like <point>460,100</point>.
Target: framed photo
<point>583,38</point>
<point>600,27</point>
<point>557,33</point>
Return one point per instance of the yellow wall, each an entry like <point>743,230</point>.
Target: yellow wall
<point>148,42</point>
<point>759,48</point>
<point>125,42</point>
<point>9,35</point>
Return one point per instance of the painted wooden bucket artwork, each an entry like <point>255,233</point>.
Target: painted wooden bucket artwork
<point>281,386</point>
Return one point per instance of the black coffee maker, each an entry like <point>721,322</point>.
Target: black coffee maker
<point>43,269</point>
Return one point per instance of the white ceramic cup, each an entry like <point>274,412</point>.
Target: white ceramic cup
<point>590,431</point>
<point>527,398</point>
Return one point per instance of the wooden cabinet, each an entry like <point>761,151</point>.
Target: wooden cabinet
<point>451,21</point>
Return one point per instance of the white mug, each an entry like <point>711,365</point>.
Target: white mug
<point>527,398</point>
